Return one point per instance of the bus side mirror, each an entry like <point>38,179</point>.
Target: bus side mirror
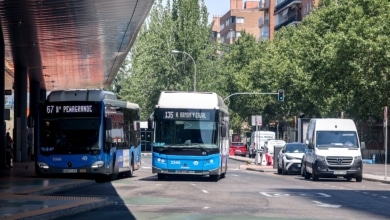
<point>30,121</point>
<point>108,123</point>
<point>150,123</point>
<point>223,130</point>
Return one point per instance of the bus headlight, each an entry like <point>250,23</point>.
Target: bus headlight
<point>357,158</point>
<point>97,164</point>
<point>43,165</point>
<point>161,160</point>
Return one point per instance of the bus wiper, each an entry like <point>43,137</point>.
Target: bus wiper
<point>199,146</point>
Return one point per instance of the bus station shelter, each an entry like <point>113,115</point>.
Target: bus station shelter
<point>59,44</point>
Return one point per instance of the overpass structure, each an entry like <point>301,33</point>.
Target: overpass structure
<point>60,44</point>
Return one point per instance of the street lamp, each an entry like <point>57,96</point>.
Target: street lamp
<point>177,51</point>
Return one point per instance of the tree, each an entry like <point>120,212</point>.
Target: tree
<point>180,25</point>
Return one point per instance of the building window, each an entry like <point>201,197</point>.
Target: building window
<point>232,19</point>
<point>240,20</point>
<point>222,26</point>
<point>215,34</point>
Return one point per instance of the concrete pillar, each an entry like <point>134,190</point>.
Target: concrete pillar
<point>35,95</point>
<point>2,87</point>
<point>20,114</point>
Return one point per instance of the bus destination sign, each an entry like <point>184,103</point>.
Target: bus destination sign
<point>68,108</point>
<point>186,115</point>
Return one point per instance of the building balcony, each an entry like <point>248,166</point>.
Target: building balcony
<point>294,19</point>
<point>285,4</point>
<point>263,22</point>
<point>264,5</point>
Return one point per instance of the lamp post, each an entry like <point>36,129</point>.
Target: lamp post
<point>177,51</point>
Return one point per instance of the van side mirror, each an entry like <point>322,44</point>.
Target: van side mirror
<point>363,145</point>
<point>108,122</point>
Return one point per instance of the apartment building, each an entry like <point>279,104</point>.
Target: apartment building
<point>280,13</point>
<point>241,16</point>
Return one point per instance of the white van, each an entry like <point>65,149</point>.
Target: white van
<point>258,138</point>
<point>333,150</point>
<point>271,144</point>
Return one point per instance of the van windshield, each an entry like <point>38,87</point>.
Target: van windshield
<point>337,139</point>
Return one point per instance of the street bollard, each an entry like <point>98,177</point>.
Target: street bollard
<point>258,157</point>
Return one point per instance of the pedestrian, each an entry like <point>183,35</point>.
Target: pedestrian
<point>9,150</point>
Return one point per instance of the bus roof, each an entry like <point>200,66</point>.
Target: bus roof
<point>122,104</point>
<point>191,100</point>
<point>80,95</point>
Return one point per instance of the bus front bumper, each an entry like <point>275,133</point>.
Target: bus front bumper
<point>43,168</point>
<point>189,172</point>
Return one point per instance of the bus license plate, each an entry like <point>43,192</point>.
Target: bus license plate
<point>339,172</point>
<point>185,171</point>
<point>69,170</point>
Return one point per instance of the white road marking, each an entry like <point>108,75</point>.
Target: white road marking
<point>193,184</point>
<point>146,167</point>
<point>326,205</point>
<point>324,195</point>
<point>274,194</point>
<point>205,191</point>
<point>234,175</point>
<point>206,207</point>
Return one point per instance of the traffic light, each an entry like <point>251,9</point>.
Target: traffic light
<point>281,95</point>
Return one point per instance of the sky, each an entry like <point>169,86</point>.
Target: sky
<point>217,7</point>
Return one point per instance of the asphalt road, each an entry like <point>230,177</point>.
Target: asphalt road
<point>242,194</point>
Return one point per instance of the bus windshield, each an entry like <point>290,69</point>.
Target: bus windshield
<point>186,134</point>
<point>70,135</point>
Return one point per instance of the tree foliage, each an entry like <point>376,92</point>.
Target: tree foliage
<point>172,25</point>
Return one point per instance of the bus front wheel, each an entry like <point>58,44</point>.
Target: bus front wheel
<point>215,177</point>
<point>161,176</point>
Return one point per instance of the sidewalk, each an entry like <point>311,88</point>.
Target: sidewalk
<point>371,172</point>
<point>24,196</point>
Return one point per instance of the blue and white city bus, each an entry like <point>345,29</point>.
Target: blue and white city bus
<point>88,132</point>
<point>190,135</point>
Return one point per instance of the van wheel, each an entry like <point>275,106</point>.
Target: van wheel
<point>359,179</point>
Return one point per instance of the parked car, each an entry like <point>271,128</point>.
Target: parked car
<point>290,157</point>
<point>239,148</point>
